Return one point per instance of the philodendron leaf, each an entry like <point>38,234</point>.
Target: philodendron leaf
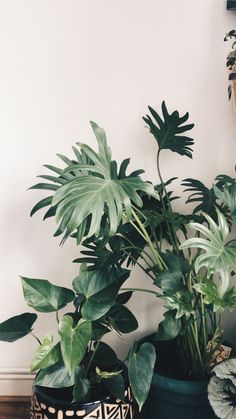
<point>122,318</point>
<point>115,385</point>
<point>169,328</point>
<point>56,376</point>
<point>81,390</point>
<point>17,327</point>
<point>44,296</point>
<point>100,289</point>
<point>46,355</point>
<point>74,341</point>
<point>167,131</point>
<point>140,368</point>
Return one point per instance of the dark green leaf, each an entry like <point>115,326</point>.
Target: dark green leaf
<point>140,368</point>
<point>105,356</point>
<point>124,297</point>
<point>81,390</point>
<point>122,318</point>
<point>45,297</point>
<point>41,204</point>
<point>115,386</point>
<point>167,131</point>
<point>169,328</point>
<point>17,327</point>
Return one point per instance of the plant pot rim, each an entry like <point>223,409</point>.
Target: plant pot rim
<point>179,386</point>
<point>39,390</point>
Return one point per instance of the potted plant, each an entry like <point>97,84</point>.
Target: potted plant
<point>120,221</point>
<point>231,65</point>
<point>78,374</point>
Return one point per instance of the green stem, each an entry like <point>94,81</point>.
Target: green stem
<point>172,233</point>
<point>161,264</point>
<point>142,290</point>
<point>92,357</point>
<point>35,337</point>
<point>141,266</point>
<point>57,317</point>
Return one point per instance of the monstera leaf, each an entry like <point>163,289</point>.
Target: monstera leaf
<point>219,256</point>
<point>94,189</point>
<point>167,131</point>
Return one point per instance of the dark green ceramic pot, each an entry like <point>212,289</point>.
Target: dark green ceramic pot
<point>176,399</point>
<point>44,406</point>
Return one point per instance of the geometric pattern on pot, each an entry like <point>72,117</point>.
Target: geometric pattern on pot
<point>41,410</point>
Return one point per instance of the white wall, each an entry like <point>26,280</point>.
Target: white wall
<point>65,62</point>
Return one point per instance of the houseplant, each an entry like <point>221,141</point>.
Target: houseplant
<point>79,374</point>
<point>231,65</point>
<point>121,220</point>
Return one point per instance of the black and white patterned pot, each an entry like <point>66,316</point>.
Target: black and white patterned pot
<point>45,407</point>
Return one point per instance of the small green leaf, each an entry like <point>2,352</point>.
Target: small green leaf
<point>169,328</point>
<point>46,355</point>
<point>124,297</point>
<point>107,374</point>
<point>17,327</point>
<point>74,341</point>
<point>45,297</point>
<point>140,369</point>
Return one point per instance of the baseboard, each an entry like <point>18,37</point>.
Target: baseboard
<point>15,382</point>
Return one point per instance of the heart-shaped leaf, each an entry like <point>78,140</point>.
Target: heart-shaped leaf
<point>140,369</point>
<point>74,341</point>
<point>17,327</point>
<point>56,376</point>
<point>44,296</point>
<point>46,355</point>
<point>100,289</point>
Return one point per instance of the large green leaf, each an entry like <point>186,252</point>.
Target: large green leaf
<point>45,297</point>
<point>167,131</point>
<point>100,289</point>
<point>56,376</point>
<point>140,367</point>
<point>219,256</point>
<point>97,193</point>
<point>46,355</point>
<point>17,327</point>
<point>74,341</point>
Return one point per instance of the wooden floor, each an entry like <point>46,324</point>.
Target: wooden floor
<point>14,407</point>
